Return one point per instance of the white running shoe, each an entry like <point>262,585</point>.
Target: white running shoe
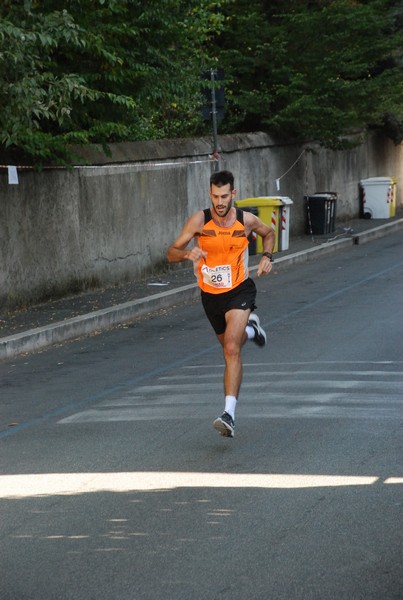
<point>260,335</point>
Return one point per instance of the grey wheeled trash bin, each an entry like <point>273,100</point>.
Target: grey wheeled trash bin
<point>321,213</point>
<point>252,237</point>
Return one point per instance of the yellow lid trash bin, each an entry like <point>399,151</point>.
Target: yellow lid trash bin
<point>285,220</point>
<point>392,197</point>
<point>269,212</point>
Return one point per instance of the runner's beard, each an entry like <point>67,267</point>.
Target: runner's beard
<point>225,213</point>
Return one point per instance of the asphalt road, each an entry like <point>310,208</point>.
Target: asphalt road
<point>115,486</point>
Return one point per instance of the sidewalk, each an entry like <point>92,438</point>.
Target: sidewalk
<point>73,316</point>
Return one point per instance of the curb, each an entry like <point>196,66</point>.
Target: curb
<point>34,339</point>
<point>377,232</point>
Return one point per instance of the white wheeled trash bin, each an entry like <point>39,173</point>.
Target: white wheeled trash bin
<point>378,197</point>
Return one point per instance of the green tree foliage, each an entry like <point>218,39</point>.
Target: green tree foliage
<point>101,71</point>
<point>80,71</point>
<point>313,69</point>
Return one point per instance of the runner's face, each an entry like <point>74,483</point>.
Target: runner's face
<point>221,198</point>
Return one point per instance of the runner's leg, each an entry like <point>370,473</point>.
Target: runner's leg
<point>232,341</point>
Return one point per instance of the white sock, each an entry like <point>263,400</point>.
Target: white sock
<point>230,404</point>
<point>250,332</point>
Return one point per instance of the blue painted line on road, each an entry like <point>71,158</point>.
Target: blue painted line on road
<point>106,392</point>
<point>343,290</point>
<point>155,372</point>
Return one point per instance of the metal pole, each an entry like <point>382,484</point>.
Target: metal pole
<point>216,157</point>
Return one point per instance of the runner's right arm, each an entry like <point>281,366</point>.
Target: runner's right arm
<point>178,251</point>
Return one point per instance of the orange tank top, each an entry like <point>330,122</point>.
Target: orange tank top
<point>226,264</point>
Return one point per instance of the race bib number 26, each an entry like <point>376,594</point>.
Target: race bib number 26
<point>218,277</point>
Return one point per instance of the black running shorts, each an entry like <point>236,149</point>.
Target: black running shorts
<point>216,305</point>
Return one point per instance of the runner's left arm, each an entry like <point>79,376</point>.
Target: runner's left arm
<point>253,223</point>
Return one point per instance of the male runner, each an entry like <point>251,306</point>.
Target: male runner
<point>220,258</point>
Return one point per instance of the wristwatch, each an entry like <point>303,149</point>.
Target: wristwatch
<point>269,256</point>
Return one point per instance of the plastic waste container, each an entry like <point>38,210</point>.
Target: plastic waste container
<point>269,211</point>
<point>252,237</point>
<point>393,193</point>
<point>378,197</point>
<point>285,220</point>
<point>320,213</point>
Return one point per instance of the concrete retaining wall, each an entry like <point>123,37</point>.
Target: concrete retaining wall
<point>63,231</point>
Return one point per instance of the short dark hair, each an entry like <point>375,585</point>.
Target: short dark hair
<point>221,178</point>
